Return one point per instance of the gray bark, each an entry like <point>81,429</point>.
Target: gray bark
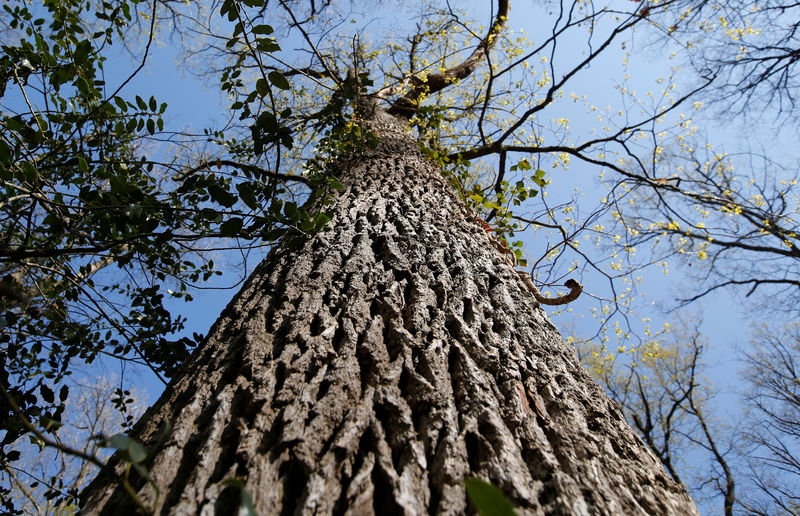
<point>372,369</point>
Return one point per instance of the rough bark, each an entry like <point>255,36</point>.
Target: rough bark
<point>376,366</point>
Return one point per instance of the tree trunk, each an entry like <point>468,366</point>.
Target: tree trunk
<point>372,369</point>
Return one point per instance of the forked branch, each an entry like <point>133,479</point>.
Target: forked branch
<point>406,105</point>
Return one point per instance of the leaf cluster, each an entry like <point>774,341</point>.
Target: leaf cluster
<point>100,230</point>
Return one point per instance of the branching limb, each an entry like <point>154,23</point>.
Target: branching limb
<point>437,82</point>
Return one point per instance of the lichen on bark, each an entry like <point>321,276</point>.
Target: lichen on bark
<point>374,367</point>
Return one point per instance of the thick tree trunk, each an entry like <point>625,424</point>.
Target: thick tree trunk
<point>375,367</point>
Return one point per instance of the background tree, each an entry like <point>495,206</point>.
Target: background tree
<point>663,392</point>
<point>48,482</point>
<point>736,228</point>
<point>772,431</point>
<point>730,220</point>
<point>732,215</point>
<point>752,46</point>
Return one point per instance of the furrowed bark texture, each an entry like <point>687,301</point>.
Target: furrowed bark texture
<point>374,368</point>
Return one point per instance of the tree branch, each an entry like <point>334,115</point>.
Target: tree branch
<point>437,82</point>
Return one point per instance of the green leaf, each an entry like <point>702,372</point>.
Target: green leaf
<point>262,87</point>
<point>231,227</point>
<point>233,13</point>
<point>83,86</point>
<point>81,53</point>
<point>63,393</point>
<point>15,124</point>
<point>82,165</point>
<point>29,171</point>
<point>221,195</point>
<point>488,499</point>
<point>247,195</point>
<point>153,104</point>
<point>266,30</point>
<point>291,211</point>
<point>278,80</point>
<point>123,106</point>
<point>47,393</point>
<point>34,439</point>
<point>307,225</point>
<point>226,6</point>
<point>134,451</point>
<point>118,185</point>
<point>141,103</point>
<point>134,211</point>
<point>5,152</point>
<point>267,45</point>
<point>321,220</point>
